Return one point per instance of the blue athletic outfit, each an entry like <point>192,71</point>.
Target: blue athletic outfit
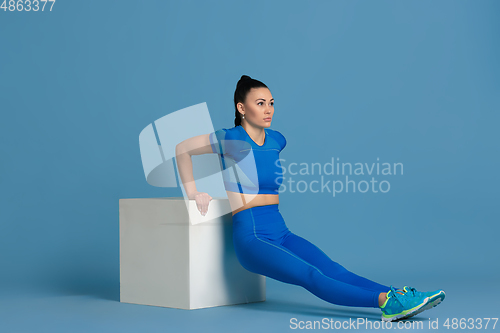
<point>263,243</point>
<point>241,158</point>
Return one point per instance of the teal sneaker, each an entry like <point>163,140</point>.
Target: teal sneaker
<point>401,306</point>
<point>435,297</point>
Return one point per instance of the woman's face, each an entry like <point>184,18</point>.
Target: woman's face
<point>258,107</point>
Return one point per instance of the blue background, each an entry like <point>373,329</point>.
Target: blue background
<point>412,82</point>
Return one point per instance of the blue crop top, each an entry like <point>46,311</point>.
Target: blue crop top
<point>247,167</point>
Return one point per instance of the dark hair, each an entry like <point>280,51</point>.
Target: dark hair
<point>240,94</point>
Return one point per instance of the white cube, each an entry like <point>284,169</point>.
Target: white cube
<point>172,256</point>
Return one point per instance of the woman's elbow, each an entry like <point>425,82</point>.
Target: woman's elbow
<point>180,149</point>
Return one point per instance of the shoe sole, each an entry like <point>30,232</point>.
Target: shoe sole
<point>435,301</point>
<point>408,314</point>
<point>429,305</point>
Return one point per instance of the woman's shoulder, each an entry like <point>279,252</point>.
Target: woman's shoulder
<point>231,132</point>
<point>280,138</point>
<point>274,132</point>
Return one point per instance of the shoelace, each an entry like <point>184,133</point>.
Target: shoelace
<point>401,299</point>
<point>411,290</point>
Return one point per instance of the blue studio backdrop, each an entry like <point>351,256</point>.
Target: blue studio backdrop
<point>407,91</point>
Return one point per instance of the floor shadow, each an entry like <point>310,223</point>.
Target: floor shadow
<point>298,308</point>
<point>332,311</point>
<point>106,291</point>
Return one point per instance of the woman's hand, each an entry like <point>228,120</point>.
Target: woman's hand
<point>202,201</point>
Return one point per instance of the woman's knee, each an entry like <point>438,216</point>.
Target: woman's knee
<point>271,260</point>
<point>338,268</point>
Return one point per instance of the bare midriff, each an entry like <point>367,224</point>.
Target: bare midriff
<point>240,201</point>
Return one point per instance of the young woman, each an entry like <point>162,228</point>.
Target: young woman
<point>262,241</point>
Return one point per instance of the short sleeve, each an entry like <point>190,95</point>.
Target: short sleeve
<point>281,140</point>
<point>217,141</point>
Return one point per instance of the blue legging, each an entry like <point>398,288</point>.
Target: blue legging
<point>264,245</point>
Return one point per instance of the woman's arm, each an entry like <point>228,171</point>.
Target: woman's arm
<point>196,145</point>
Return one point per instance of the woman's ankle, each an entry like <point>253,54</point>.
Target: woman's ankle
<point>382,297</point>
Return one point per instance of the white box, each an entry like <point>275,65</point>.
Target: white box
<point>172,256</point>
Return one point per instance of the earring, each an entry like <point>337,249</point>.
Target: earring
<point>243,117</point>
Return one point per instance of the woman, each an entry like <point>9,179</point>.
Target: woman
<point>262,241</point>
